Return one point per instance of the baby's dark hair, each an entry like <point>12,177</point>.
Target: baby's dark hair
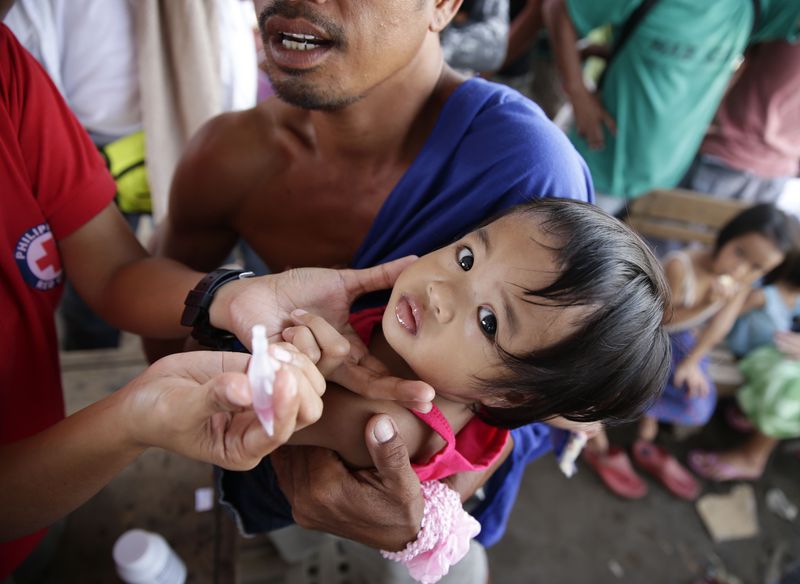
<point>615,365</point>
<point>763,219</point>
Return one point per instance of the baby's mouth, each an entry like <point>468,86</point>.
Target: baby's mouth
<point>407,314</point>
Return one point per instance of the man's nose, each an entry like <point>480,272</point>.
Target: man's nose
<point>440,301</point>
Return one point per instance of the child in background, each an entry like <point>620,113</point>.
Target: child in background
<point>770,398</point>
<point>709,288</point>
<point>554,310</point>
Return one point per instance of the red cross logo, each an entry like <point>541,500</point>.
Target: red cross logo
<point>50,259</point>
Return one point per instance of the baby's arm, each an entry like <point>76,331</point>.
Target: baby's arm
<point>341,427</point>
<point>345,413</point>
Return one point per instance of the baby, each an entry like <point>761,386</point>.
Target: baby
<point>552,311</point>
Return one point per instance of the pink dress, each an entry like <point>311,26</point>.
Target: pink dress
<point>475,447</point>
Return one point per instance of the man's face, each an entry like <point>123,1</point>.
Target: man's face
<point>328,54</point>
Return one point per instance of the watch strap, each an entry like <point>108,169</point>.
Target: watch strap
<point>198,303</point>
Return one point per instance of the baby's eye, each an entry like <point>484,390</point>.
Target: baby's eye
<point>487,321</point>
<point>465,258</point>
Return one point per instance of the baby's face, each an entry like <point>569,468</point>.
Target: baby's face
<point>451,309</point>
<point>747,258</point>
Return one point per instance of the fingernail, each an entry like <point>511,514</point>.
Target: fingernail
<point>384,430</point>
<point>280,354</point>
<point>299,312</point>
<point>424,408</point>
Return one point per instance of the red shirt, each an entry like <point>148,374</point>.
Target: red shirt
<point>52,181</point>
<point>758,122</point>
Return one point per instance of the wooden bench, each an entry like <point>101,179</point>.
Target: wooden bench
<point>689,217</point>
<point>681,215</point>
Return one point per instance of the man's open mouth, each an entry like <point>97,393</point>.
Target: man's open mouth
<point>302,42</point>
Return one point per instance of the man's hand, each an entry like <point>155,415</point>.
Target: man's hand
<point>381,508</point>
<point>199,404</point>
<point>590,116</point>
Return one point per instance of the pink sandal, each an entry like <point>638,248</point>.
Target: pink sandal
<point>665,467</point>
<point>709,466</point>
<point>736,419</point>
<point>615,470</point>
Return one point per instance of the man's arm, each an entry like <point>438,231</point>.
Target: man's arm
<point>380,507</point>
<point>590,115</point>
<point>523,30</point>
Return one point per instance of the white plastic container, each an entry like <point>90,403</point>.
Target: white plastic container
<point>143,557</point>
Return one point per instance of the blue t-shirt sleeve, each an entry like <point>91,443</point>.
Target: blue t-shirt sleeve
<point>587,15</point>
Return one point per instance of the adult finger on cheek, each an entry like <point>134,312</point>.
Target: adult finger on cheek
<point>381,277</point>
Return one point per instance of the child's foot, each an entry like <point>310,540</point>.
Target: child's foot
<point>724,466</point>
<point>615,470</point>
<point>737,420</point>
<point>665,467</point>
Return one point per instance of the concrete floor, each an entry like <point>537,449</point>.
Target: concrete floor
<point>562,531</point>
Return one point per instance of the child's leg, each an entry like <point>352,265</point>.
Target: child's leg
<point>648,429</point>
<point>614,467</point>
<point>598,443</point>
<point>747,462</point>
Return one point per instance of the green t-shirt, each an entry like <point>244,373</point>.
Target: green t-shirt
<point>664,86</point>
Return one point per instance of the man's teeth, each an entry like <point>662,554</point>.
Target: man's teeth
<point>299,42</point>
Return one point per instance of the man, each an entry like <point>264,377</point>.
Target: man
<point>373,148</point>
<point>751,150</point>
<point>671,63</point>
<point>58,216</point>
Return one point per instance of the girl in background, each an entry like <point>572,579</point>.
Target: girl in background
<point>709,288</point>
<point>769,401</point>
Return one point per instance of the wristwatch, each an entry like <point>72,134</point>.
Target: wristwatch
<point>198,302</point>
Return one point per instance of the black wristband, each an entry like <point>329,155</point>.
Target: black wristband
<point>198,302</point>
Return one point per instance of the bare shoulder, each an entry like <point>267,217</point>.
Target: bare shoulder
<point>227,158</point>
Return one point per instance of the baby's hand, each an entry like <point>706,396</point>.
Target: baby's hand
<point>318,340</point>
<point>342,358</point>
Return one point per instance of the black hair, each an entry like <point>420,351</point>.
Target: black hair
<point>615,365</point>
<point>764,219</point>
<point>788,271</point>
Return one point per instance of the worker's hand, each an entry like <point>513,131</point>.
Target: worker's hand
<point>590,117</point>
<point>381,507</point>
<point>788,343</point>
<point>199,404</point>
<point>688,373</point>
<point>344,359</point>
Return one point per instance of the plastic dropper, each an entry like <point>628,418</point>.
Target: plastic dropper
<point>261,374</point>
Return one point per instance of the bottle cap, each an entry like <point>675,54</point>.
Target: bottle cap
<point>143,557</point>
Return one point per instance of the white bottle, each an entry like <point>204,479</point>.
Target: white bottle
<point>143,557</point>
<point>261,374</point>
